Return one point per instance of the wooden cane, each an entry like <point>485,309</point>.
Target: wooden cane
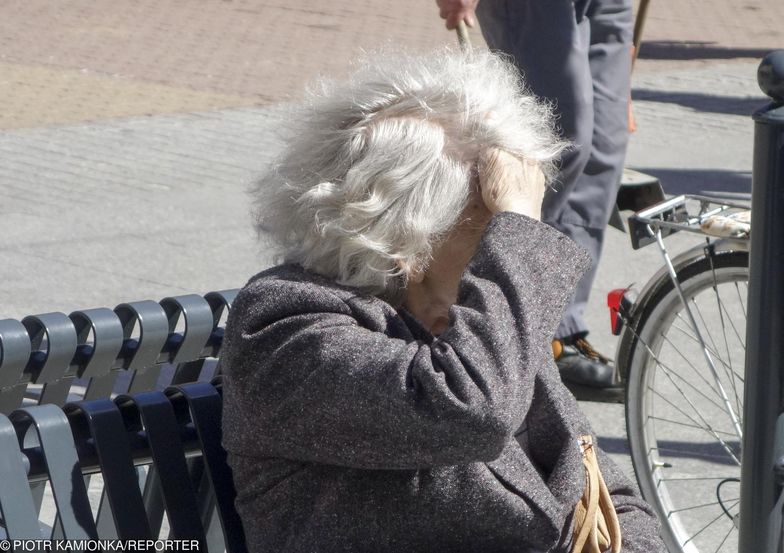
<point>462,36</point>
<point>639,25</point>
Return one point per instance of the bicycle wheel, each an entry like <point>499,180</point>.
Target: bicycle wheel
<point>683,416</point>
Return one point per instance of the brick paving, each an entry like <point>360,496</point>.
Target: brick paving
<point>688,33</point>
<point>154,53</point>
<point>80,60</point>
<point>34,96</point>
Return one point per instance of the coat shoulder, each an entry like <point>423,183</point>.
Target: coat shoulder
<point>279,292</point>
<point>289,290</point>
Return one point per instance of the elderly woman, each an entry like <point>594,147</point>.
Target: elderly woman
<point>391,387</point>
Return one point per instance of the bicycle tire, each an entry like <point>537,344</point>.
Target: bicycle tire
<point>684,444</point>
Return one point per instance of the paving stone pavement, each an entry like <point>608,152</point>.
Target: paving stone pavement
<point>79,60</point>
<point>130,131</point>
<point>126,58</point>
<point>143,206</point>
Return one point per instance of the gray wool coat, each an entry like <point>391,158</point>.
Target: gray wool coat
<point>350,428</point>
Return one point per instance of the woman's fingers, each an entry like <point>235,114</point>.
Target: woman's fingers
<point>510,184</point>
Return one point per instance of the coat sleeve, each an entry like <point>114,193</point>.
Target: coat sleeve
<point>555,417</point>
<point>306,380</point>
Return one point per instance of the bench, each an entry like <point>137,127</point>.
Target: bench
<point>110,429</point>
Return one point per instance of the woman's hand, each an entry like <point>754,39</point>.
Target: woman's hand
<point>511,184</point>
<point>455,11</point>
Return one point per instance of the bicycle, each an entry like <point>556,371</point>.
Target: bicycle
<point>682,355</point>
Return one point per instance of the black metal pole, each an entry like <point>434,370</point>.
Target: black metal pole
<point>760,517</point>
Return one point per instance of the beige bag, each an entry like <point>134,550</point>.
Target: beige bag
<point>596,527</point>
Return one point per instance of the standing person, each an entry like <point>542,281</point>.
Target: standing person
<point>576,54</point>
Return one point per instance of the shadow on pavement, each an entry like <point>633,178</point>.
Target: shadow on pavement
<point>728,105</point>
<point>614,445</point>
<point>709,182</point>
<point>696,50</point>
<point>709,452</point>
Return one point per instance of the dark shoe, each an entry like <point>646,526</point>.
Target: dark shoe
<point>587,373</point>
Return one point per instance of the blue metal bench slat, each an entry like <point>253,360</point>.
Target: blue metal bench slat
<point>153,498</point>
<point>188,372</point>
<point>116,439</point>
<point>205,409</point>
<point>100,424</point>
<point>163,434</point>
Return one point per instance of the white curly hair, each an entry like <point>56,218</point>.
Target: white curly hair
<point>378,168</point>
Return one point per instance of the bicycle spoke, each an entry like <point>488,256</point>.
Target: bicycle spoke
<point>670,421</point>
<point>733,414</point>
<point>731,374</point>
<point>691,365</point>
<point>737,502</point>
<point>704,325</point>
<point>688,332</point>
<point>701,530</point>
<point>728,408</point>
<point>705,424</point>
<point>697,426</point>
<point>728,371</point>
<point>685,359</point>
<point>723,311</point>
<point>682,412</point>
<point>707,427</point>
<point>732,527</point>
<point>740,299</point>
<point>741,339</point>
<point>693,507</point>
<point>692,386</point>
<point>693,338</point>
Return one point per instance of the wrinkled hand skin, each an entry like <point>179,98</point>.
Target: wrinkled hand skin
<point>455,11</point>
<point>509,183</point>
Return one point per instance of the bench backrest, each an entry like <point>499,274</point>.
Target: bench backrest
<point>157,452</point>
<point>92,353</point>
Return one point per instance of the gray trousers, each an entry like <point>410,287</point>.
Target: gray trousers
<point>577,54</point>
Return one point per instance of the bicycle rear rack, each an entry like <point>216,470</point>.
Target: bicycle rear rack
<point>673,215</point>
